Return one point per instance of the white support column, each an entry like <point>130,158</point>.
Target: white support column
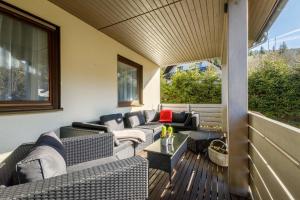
<point>237,48</point>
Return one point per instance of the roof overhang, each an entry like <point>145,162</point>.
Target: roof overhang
<point>262,36</point>
<point>170,31</point>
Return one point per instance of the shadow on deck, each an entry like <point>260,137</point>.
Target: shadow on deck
<point>194,177</point>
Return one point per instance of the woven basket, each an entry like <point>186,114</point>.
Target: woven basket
<point>216,157</point>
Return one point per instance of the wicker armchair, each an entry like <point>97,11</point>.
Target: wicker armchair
<point>122,179</point>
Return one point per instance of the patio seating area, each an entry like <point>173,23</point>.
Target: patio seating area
<point>80,102</point>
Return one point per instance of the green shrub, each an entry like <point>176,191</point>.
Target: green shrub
<point>274,90</point>
<point>192,87</point>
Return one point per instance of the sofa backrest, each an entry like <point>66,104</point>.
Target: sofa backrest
<point>113,121</point>
<point>151,116</point>
<point>134,119</point>
<point>179,117</point>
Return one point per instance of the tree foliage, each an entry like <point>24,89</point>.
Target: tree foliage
<point>274,87</point>
<point>262,50</point>
<point>192,87</point>
<point>274,90</point>
<point>283,47</point>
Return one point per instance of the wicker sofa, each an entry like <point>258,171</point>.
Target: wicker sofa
<point>92,173</point>
<point>151,128</point>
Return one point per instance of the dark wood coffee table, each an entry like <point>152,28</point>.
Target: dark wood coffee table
<point>166,157</point>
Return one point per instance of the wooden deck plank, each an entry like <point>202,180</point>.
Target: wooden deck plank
<point>153,176</point>
<point>202,181</point>
<point>178,184</point>
<point>177,176</point>
<point>226,189</point>
<point>157,191</point>
<point>214,186</point>
<point>188,175</point>
<point>195,178</point>
<point>197,170</point>
<point>208,182</point>
<point>155,181</point>
<point>221,184</point>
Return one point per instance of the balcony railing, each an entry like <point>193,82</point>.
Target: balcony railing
<point>212,116</point>
<point>274,159</point>
<point>274,156</point>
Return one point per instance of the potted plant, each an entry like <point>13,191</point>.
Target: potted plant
<point>163,136</point>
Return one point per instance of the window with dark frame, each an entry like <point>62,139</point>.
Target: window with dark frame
<point>130,83</point>
<point>29,61</point>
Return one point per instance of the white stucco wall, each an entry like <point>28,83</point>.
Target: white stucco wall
<point>88,78</point>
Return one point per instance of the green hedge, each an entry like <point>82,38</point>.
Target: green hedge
<point>192,87</point>
<point>274,90</point>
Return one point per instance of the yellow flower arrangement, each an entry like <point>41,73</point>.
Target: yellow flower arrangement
<point>163,132</point>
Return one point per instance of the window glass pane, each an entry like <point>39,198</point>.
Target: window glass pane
<point>127,83</point>
<point>24,74</point>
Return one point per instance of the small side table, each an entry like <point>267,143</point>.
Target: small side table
<point>199,140</point>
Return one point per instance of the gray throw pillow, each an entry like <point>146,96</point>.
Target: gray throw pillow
<point>46,160</point>
<point>50,139</point>
<point>151,116</point>
<point>113,122</point>
<point>134,119</point>
<point>43,162</point>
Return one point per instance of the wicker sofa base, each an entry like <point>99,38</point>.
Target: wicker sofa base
<point>121,179</point>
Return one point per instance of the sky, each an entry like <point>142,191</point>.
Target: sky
<point>286,27</point>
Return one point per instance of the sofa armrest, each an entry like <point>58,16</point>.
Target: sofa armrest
<point>8,165</point>
<point>89,147</point>
<point>69,131</point>
<point>195,120</point>
<point>124,179</point>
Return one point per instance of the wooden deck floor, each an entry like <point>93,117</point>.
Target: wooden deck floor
<point>194,177</point>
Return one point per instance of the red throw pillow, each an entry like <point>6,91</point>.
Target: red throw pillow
<point>165,116</point>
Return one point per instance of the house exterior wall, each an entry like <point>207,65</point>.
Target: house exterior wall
<point>88,78</point>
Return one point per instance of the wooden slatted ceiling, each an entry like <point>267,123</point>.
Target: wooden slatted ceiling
<point>165,31</point>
